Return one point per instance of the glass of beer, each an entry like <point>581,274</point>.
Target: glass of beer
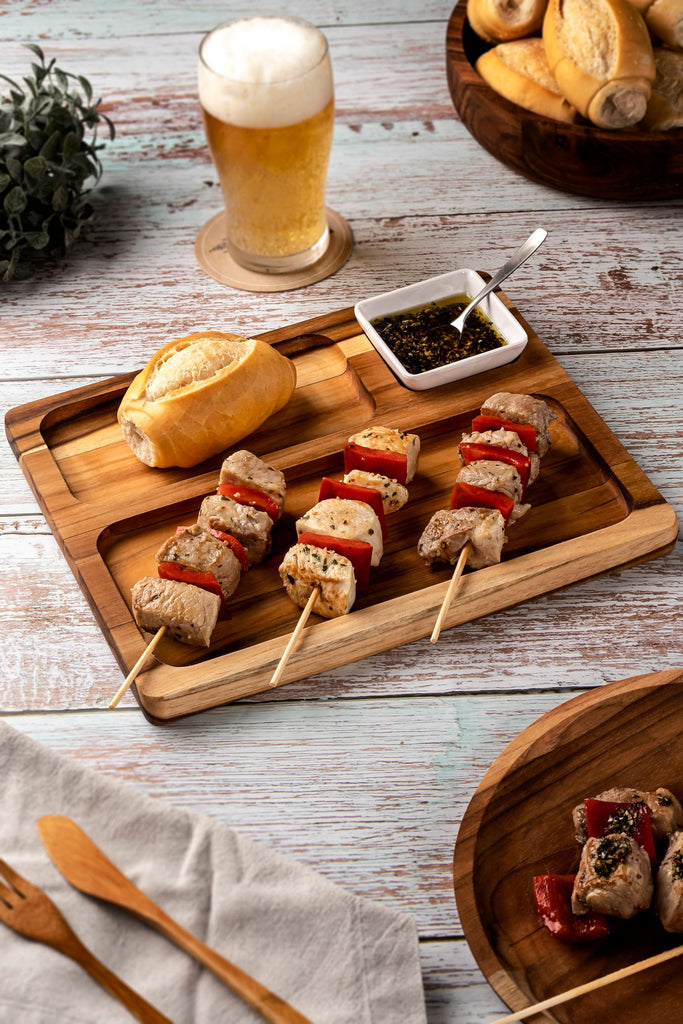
<point>267,98</point>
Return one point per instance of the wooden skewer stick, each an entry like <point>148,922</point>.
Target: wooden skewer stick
<point>590,986</point>
<point>294,638</point>
<point>452,587</point>
<point>137,666</point>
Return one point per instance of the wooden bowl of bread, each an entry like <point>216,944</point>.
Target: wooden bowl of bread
<point>585,96</point>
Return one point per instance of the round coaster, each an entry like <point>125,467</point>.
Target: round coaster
<point>212,255</point>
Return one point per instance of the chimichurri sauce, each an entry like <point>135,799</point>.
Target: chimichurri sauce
<point>422,337</point>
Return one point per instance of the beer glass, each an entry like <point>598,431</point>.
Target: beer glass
<point>267,98</point>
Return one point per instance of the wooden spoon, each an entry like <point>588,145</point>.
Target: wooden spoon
<point>85,866</point>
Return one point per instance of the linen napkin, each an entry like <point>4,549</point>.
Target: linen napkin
<point>337,957</point>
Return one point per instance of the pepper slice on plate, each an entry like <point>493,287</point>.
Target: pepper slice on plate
<point>247,496</point>
<point>358,552</point>
<point>553,898</point>
<point>330,488</point>
<point>197,577</point>
<point>467,495</point>
<point>605,816</point>
<point>474,451</point>
<point>375,460</point>
<point>525,433</point>
<point>237,549</point>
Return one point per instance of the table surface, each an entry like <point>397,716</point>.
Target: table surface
<point>365,771</point>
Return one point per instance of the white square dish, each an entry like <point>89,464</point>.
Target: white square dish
<point>454,283</point>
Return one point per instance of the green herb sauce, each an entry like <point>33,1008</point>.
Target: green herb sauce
<point>422,337</point>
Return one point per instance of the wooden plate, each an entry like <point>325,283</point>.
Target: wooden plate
<point>574,158</point>
<point>518,825</point>
<point>593,511</point>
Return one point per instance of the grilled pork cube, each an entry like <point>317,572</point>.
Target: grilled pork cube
<point>188,613</point>
<point>305,567</point>
<point>669,888</point>
<point>496,476</point>
<point>666,812</point>
<point>346,518</point>
<point>522,409</point>
<point>386,439</point>
<point>194,548</point>
<point>448,531</point>
<point>614,877</point>
<point>504,439</point>
<point>250,526</point>
<point>243,469</point>
<point>394,494</point>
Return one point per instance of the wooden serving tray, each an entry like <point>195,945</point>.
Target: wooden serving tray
<point>519,824</point>
<point>579,158</point>
<point>593,511</point>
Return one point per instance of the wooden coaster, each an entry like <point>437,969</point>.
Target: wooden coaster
<point>213,257</point>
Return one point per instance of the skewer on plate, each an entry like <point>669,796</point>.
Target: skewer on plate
<point>137,667</point>
<point>590,986</point>
<point>342,536</point>
<point>499,459</point>
<point>201,565</point>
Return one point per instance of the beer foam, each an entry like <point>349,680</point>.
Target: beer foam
<point>264,72</point>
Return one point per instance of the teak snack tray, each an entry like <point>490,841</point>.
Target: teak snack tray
<point>593,510</point>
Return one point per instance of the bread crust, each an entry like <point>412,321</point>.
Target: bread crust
<point>201,417</point>
<point>613,96</point>
<point>518,86</point>
<point>500,20</point>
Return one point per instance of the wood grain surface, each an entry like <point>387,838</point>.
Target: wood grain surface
<point>422,721</point>
<point>592,510</point>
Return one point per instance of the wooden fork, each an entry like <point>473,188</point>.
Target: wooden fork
<point>31,912</point>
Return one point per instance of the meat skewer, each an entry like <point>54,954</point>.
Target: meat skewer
<point>341,537</point>
<point>200,566</point>
<point>499,459</point>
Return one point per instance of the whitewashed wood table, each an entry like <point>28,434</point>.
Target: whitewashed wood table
<point>363,772</point>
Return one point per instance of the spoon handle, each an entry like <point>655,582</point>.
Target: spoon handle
<point>527,249</point>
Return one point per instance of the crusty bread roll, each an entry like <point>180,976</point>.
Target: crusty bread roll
<point>664,18</point>
<point>200,394</point>
<point>665,106</point>
<point>601,55</point>
<point>519,71</point>
<point>499,20</point>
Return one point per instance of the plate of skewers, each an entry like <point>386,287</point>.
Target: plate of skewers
<point>568,863</point>
<point>561,501</point>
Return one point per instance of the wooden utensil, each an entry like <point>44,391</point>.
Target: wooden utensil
<point>85,866</point>
<point>30,912</point>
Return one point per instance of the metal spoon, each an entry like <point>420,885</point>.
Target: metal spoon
<point>535,239</point>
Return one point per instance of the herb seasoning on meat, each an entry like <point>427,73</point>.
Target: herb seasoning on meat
<point>422,337</point>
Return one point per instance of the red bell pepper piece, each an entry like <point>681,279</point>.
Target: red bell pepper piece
<point>475,451</point>
<point>467,495</point>
<point>553,898</point>
<point>339,489</point>
<point>197,577</point>
<point>237,549</point>
<point>247,496</point>
<point>358,552</point>
<point>373,460</point>
<point>605,816</point>
<point>526,433</point>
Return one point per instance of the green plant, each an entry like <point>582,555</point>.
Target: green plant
<point>45,159</point>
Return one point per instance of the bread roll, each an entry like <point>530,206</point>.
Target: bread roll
<point>601,55</point>
<point>664,18</point>
<point>519,71</point>
<point>499,20</point>
<point>665,106</point>
<point>199,395</point>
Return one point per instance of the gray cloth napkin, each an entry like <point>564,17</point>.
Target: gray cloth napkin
<point>339,958</point>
